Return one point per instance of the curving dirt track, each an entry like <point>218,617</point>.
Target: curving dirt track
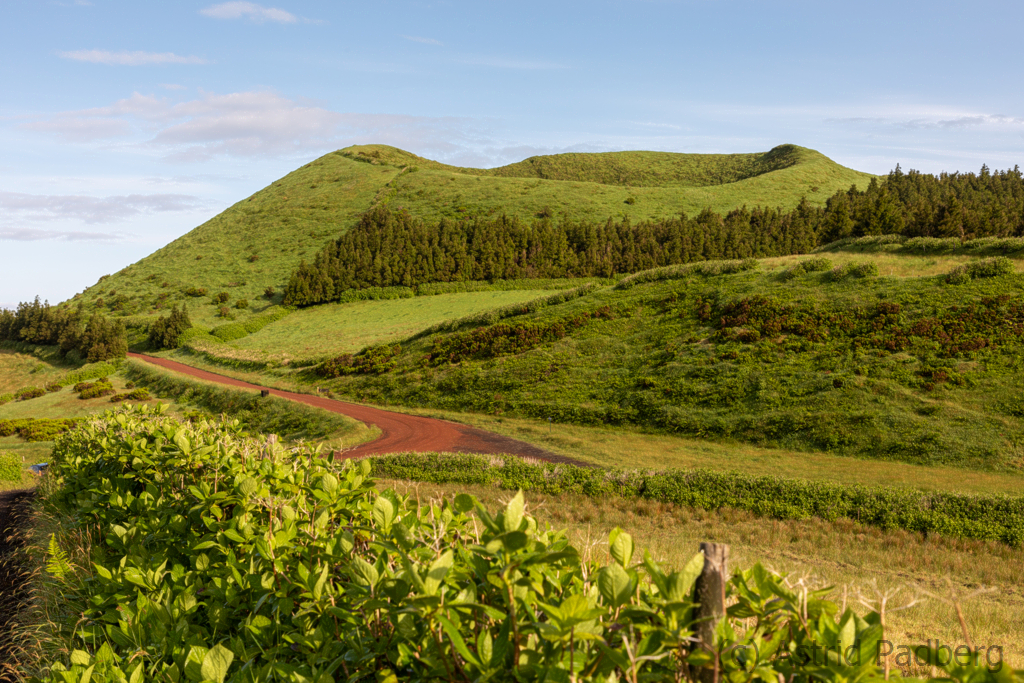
<point>399,432</point>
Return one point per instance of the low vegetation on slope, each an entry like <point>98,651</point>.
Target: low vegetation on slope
<point>922,370</point>
<point>257,243</point>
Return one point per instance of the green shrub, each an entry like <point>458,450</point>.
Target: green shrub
<point>165,333</point>
<point>269,292</point>
<point>960,275</point>
<point>991,267</point>
<point>375,294</point>
<point>298,564</point>
<point>242,304</point>
<point>87,372</point>
<point>27,393</point>
<point>10,467</point>
<point>54,387</point>
<point>221,298</point>
<point>195,291</point>
<point>854,270</point>
<point>194,333</point>
<point>95,390</point>
<point>373,360</point>
<point>134,395</point>
<point>30,429</point>
<point>6,398</point>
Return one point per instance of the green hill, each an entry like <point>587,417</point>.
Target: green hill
<point>259,241</point>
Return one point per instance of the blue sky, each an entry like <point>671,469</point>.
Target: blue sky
<point>124,124</point>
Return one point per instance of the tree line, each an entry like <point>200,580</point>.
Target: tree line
<point>77,335</point>
<point>392,248</point>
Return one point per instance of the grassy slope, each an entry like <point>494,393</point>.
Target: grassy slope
<point>19,369</point>
<point>652,358</point>
<point>347,328</point>
<point>294,216</point>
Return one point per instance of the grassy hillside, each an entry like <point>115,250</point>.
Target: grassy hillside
<point>259,241</point>
<point>905,369</point>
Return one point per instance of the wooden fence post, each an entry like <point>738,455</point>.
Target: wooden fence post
<point>710,593</point>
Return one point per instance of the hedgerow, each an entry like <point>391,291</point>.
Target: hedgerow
<point>506,339</point>
<point>87,372</point>
<point>372,360</point>
<point>259,564</point>
<point>997,518</point>
<point>134,395</point>
<point>254,324</point>
<point>678,272</point>
<point>510,311</point>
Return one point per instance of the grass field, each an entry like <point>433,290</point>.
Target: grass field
<point>259,241</point>
<point>863,562</point>
<point>347,328</point>
<point>19,369</point>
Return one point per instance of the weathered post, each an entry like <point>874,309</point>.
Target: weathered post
<point>710,593</point>
<point>264,392</point>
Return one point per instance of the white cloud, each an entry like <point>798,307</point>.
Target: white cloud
<point>36,207</point>
<point>32,235</point>
<point>125,58</point>
<point>172,86</point>
<point>425,41</point>
<point>250,10</point>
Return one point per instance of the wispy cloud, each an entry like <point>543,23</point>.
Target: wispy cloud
<point>32,235</point>
<point>425,41</point>
<point>172,86</point>
<point>125,58</point>
<point>250,124</point>
<point>91,210</point>
<point>248,10</point>
<point>939,121</point>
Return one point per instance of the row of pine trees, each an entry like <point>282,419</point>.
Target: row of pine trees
<point>78,336</point>
<point>395,249</point>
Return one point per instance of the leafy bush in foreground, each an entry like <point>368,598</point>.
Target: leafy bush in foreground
<point>263,565</point>
<point>996,518</point>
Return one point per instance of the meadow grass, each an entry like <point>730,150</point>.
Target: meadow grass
<point>859,562</point>
<point>19,369</point>
<point>347,328</point>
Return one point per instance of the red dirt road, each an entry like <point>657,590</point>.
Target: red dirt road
<point>399,432</point>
